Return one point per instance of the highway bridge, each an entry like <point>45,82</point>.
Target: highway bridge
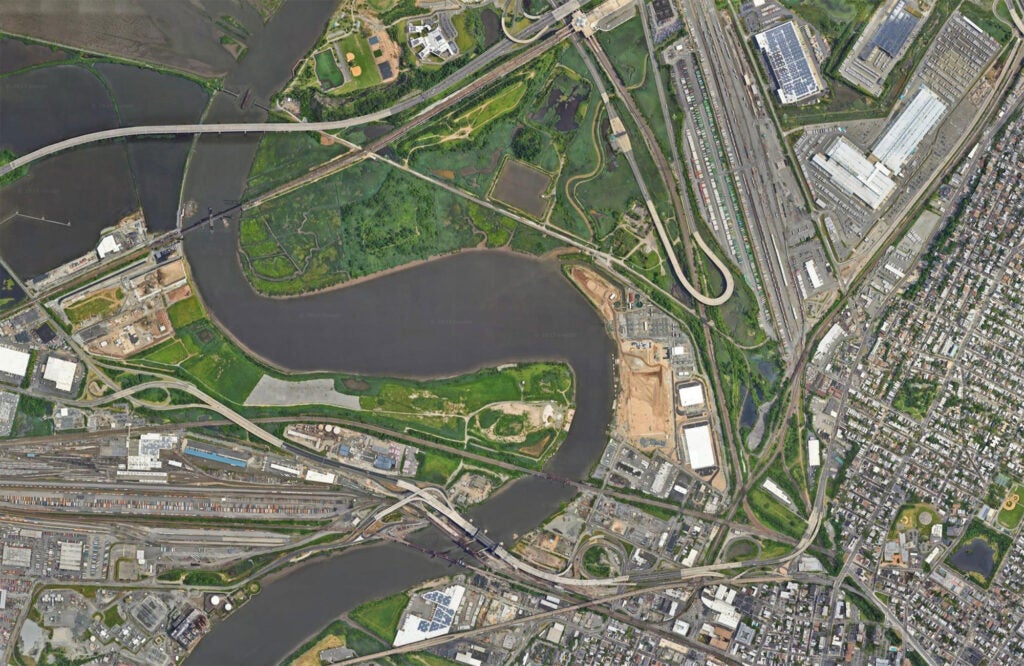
<point>438,501</point>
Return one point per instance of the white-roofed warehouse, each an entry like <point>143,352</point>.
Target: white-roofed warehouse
<point>61,373</point>
<point>691,395</point>
<point>700,449</point>
<point>13,362</point>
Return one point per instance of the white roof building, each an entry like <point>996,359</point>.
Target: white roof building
<point>904,135</point>
<point>700,450</point>
<point>60,372</point>
<point>70,556</point>
<point>856,174</point>
<point>691,395</point>
<point>812,273</point>
<point>319,477</point>
<point>15,556</point>
<point>813,452</point>
<point>777,492</point>
<point>108,246</point>
<point>446,605</point>
<point>13,361</point>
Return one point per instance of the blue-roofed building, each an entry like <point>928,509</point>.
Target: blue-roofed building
<point>384,462</point>
<point>214,456</point>
<point>793,72</point>
<point>893,34</point>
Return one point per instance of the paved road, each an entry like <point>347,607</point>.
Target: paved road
<point>475,65</point>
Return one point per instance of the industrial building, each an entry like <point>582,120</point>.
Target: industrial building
<point>902,138</point>
<point>443,605</point>
<point>70,556</point>
<point>885,40</point>
<point>855,174</point>
<point>223,458</point>
<point>61,372</point>
<point>813,452</point>
<point>891,36</point>
<point>700,449</point>
<point>789,63</point>
<point>13,362</point>
<point>691,395</point>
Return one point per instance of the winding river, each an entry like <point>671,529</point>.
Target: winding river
<point>445,317</point>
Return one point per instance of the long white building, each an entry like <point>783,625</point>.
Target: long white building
<point>700,449</point>
<point>903,137</point>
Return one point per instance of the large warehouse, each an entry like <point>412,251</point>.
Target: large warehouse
<point>789,64</point>
<point>855,174</point>
<point>900,141</point>
<point>700,449</point>
<point>13,362</point>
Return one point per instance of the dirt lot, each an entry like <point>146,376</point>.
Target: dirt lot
<point>522,186</point>
<point>644,408</point>
<point>170,273</point>
<point>600,293</point>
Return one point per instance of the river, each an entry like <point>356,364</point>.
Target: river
<point>445,317</point>
<point>441,318</point>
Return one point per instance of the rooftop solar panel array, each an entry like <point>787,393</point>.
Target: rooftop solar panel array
<point>788,63</point>
<point>894,32</point>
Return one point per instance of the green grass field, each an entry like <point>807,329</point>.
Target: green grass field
<point>327,70</point>
<point>775,515</point>
<point>436,467</point>
<point>627,49</point>
<point>595,562</point>
<point>908,518</point>
<point>103,305</point>
<point>987,21</point>
<point>185,312</point>
<point>381,616</point>
<point>1011,519</point>
<point>282,157</point>
<point>368,74</point>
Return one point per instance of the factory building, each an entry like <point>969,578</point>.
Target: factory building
<point>442,605</point>
<point>855,174</point>
<point>61,372</point>
<point>789,63</point>
<point>888,41</point>
<point>691,396</point>
<point>902,138</point>
<point>13,362</point>
<point>700,449</point>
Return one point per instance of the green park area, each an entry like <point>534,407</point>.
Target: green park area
<point>774,515</point>
<point>914,397</point>
<point>359,60</point>
<point>979,552</point>
<point>626,47</point>
<point>112,617</point>
<point>382,615</point>
<point>1011,510</point>
<point>33,418</point>
<point>327,70</point>
<point>917,516</point>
